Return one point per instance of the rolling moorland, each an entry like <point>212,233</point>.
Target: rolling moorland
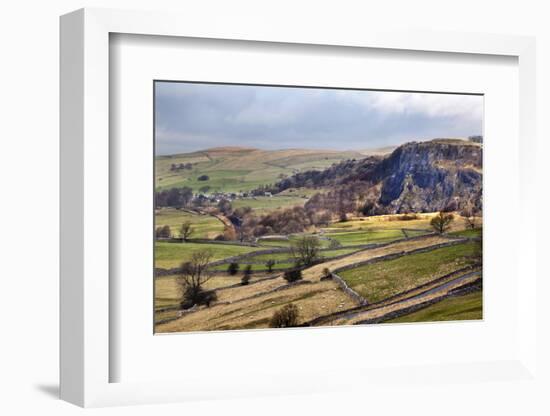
<point>249,238</point>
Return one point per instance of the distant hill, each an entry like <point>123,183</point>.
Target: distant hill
<point>233,169</point>
<point>380,151</point>
<point>415,177</point>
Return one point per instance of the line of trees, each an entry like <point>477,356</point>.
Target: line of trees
<point>181,166</point>
<point>174,197</point>
<point>164,231</point>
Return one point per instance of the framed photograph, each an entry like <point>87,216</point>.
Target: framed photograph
<point>247,214</point>
<point>357,225</point>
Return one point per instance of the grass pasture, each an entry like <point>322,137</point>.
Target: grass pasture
<point>475,233</point>
<point>459,308</point>
<point>392,221</point>
<point>315,272</point>
<point>274,242</point>
<point>377,281</point>
<point>287,242</point>
<point>265,204</point>
<point>245,312</point>
<point>255,267</point>
<point>355,238</point>
<point>224,167</point>
<point>204,226</point>
<point>381,222</point>
<point>287,256</point>
<point>285,260</point>
<point>167,293</point>
<point>169,255</point>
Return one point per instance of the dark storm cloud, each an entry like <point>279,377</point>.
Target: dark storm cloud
<point>197,116</point>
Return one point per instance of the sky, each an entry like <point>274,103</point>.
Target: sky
<point>192,116</point>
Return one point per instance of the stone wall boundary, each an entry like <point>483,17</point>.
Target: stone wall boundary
<point>349,291</point>
<point>464,290</point>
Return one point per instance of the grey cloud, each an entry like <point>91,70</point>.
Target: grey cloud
<point>196,116</point>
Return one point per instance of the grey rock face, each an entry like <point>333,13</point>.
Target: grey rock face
<point>416,177</point>
<point>432,176</point>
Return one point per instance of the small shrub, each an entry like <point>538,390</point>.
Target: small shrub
<point>327,275</point>
<point>293,275</point>
<point>247,274</point>
<point>203,178</point>
<point>233,268</point>
<point>334,244</point>
<point>197,296</point>
<point>163,232</point>
<point>286,317</point>
<point>269,264</point>
<point>408,217</point>
<point>209,297</point>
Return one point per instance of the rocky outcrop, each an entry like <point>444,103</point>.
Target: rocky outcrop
<point>432,176</point>
<point>441,174</point>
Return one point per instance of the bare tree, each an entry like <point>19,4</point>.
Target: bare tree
<point>186,230</point>
<point>193,275</point>
<point>305,250</point>
<point>442,222</point>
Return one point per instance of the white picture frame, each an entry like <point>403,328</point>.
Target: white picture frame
<point>86,355</point>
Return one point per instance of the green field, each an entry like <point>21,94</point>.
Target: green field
<point>170,255</point>
<point>354,238</point>
<point>377,281</point>
<point>467,307</point>
<point>204,226</point>
<point>219,180</point>
<point>302,192</point>
<point>286,243</point>
<point>468,233</point>
<point>255,267</point>
<point>265,204</point>
<point>235,169</point>
<point>274,242</point>
<point>284,256</point>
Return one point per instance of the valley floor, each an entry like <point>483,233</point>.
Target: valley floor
<point>385,275</point>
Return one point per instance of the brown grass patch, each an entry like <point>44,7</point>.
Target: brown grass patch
<point>312,300</point>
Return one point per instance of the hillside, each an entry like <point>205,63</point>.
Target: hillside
<point>233,169</point>
<point>415,177</point>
